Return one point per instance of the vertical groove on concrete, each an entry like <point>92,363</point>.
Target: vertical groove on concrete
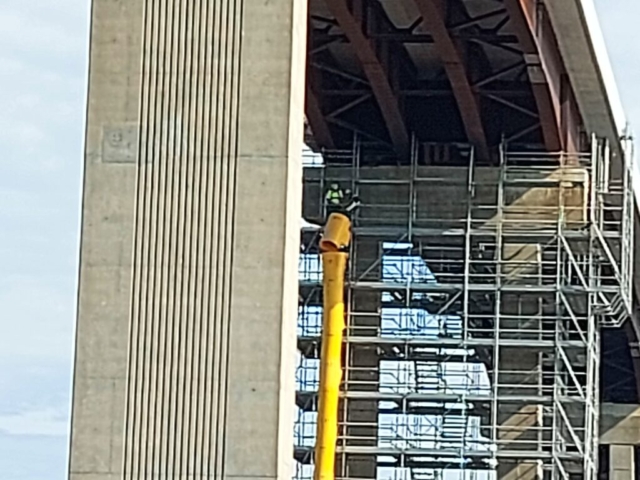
<point>141,222</point>
<point>183,241</point>
<point>161,238</point>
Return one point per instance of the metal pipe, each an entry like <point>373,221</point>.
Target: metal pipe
<point>336,239</point>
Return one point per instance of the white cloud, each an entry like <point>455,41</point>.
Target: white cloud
<point>619,26</point>
<point>37,422</point>
<point>42,118</point>
<point>40,324</point>
<point>26,27</point>
<point>42,70</point>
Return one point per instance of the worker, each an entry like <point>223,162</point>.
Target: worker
<point>334,198</point>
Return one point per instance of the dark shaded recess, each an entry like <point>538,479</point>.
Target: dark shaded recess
<point>617,379</point>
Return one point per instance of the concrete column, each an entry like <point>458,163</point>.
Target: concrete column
<point>187,301</point>
<point>622,462</point>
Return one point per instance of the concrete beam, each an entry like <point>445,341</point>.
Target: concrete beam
<point>559,117</point>
<point>588,69</point>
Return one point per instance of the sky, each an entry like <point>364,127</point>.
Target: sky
<point>42,79</point>
<point>43,63</point>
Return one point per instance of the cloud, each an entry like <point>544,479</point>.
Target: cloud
<point>43,74</point>
<point>32,27</point>
<point>40,319</point>
<point>37,422</point>
<point>42,120</point>
<point>31,457</point>
<point>42,246</point>
<point>32,384</point>
<point>19,203</point>
<point>619,27</point>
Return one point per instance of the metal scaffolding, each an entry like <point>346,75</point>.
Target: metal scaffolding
<point>476,297</point>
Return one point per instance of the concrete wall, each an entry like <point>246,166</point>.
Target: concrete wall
<point>619,424</point>
<point>440,195</point>
<point>187,303</point>
<point>620,431</point>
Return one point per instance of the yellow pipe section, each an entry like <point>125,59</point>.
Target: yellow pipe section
<point>333,324</point>
<point>336,238</point>
<point>337,234</point>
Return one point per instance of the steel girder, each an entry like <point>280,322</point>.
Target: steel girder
<point>375,60</point>
<point>434,16</point>
<point>559,116</point>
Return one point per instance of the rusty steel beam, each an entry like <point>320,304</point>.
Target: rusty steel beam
<point>500,12</point>
<point>312,105</point>
<point>317,122</point>
<point>433,15</point>
<point>559,117</point>
<point>349,15</point>
<point>405,36</point>
<point>431,91</point>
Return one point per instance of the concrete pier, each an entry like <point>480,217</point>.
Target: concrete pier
<point>187,300</point>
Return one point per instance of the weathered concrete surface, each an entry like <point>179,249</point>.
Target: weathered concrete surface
<point>620,429</point>
<point>187,303</point>
<point>619,424</point>
<point>622,462</point>
<point>441,192</point>
<point>591,79</point>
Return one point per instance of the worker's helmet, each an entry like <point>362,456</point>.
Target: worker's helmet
<point>334,186</point>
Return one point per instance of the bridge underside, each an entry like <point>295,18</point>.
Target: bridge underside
<point>486,66</point>
<point>475,72</point>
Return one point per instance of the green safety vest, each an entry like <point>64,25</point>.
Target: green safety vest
<point>334,196</point>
